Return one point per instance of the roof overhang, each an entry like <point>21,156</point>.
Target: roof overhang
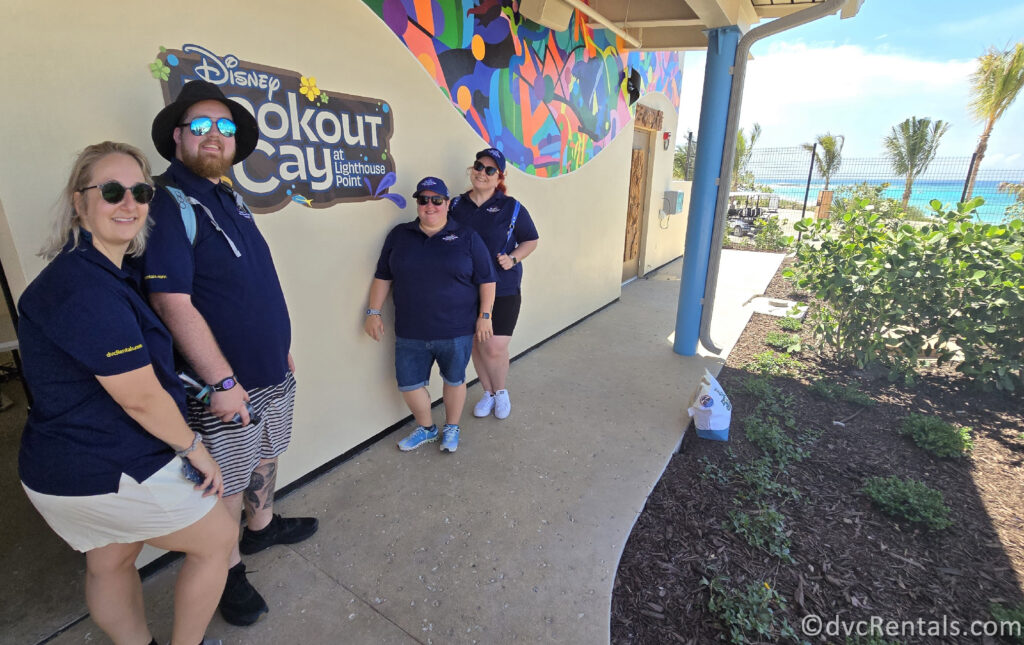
<point>667,25</point>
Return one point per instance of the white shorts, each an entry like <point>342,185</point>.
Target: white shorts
<point>162,504</point>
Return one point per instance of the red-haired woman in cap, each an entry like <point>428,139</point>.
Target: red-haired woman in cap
<point>106,456</point>
<point>510,235</point>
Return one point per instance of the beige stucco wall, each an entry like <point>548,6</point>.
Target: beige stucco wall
<point>77,73</point>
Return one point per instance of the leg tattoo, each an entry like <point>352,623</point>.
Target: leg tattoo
<point>260,493</point>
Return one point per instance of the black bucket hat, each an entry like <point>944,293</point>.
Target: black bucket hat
<point>247,134</point>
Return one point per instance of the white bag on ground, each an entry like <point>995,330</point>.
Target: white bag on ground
<point>711,410</point>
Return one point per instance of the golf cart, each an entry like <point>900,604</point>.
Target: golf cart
<point>746,208</point>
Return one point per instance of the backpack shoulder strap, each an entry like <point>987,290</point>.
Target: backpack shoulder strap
<point>512,226</point>
<point>188,213</point>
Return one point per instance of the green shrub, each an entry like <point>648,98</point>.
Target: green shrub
<point>758,479</point>
<point>770,236</point>
<point>1011,621</point>
<point>764,529</point>
<point>789,323</point>
<point>832,392</point>
<point>870,640</point>
<point>936,436</point>
<point>767,435</point>
<point>771,363</point>
<point>789,343</point>
<point>889,289</point>
<point>910,500</point>
<point>750,615</point>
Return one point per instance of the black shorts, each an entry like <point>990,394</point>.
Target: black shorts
<point>505,314</point>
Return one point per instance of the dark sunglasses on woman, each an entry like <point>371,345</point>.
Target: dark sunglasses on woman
<point>479,167</point>
<point>113,192</point>
<point>437,200</point>
<point>203,124</point>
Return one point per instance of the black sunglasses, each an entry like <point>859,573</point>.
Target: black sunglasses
<point>479,167</point>
<point>113,192</point>
<point>203,124</point>
<point>437,200</point>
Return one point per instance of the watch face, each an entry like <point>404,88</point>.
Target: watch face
<point>227,384</point>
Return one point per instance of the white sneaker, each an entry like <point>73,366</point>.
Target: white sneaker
<point>502,406</point>
<point>484,406</point>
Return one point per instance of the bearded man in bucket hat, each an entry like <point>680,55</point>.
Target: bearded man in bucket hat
<point>210,276</point>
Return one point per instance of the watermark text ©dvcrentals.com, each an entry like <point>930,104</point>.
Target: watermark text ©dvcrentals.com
<point>814,625</point>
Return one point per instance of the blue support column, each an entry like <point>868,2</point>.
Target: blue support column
<point>714,111</point>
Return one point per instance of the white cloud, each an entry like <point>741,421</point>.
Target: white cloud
<point>797,91</point>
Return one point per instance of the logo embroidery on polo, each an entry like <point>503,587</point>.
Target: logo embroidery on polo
<point>494,209</point>
<point>451,237</point>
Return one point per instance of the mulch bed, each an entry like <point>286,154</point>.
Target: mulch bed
<point>852,562</point>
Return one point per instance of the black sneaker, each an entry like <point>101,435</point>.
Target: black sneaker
<point>281,530</point>
<point>241,604</point>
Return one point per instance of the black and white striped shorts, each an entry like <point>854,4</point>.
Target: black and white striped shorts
<point>238,449</point>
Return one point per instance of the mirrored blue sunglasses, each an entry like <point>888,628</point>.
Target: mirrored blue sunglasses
<point>203,124</point>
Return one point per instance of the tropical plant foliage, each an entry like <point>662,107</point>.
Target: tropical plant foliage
<point>911,146</point>
<point>828,154</point>
<point>994,85</point>
<point>890,290</point>
<point>741,178</point>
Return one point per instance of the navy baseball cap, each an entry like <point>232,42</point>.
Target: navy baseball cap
<point>432,184</point>
<point>493,153</point>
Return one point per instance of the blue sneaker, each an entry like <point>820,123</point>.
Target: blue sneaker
<point>450,443</point>
<point>418,437</point>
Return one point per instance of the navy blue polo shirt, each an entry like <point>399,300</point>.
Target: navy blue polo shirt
<point>491,220</point>
<point>435,279</point>
<point>240,297</point>
<point>83,317</point>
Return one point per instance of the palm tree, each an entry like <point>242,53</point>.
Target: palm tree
<point>994,85</point>
<point>682,162</point>
<point>828,156</point>
<point>744,148</point>
<point>911,146</point>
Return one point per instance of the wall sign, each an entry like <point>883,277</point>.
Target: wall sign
<point>316,148</point>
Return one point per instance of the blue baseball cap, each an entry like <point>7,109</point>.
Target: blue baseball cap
<point>495,154</point>
<point>432,184</point>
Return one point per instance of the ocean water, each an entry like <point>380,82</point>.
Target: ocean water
<point>924,190</point>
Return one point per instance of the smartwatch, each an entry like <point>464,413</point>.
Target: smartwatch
<point>225,385</point>
<point>515,260</point>
<point>486,315</point>
<point>373,312</point>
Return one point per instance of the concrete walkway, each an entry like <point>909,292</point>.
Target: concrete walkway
<point>517,536</point>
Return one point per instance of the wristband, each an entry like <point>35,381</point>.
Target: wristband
<point>373,312</point>
<point>486,315</point>
<point>225,385</point>
<point>196,440</point>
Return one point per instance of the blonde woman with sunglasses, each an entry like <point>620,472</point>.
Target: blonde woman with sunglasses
<point>106,456</point>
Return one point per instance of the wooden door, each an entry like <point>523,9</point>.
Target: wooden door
<point>634,209</point>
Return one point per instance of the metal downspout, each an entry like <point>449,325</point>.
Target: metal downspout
<point>732,120</point>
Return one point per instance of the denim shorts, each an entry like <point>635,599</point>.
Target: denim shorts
<point>414,358</point>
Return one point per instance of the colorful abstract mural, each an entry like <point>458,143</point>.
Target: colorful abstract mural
<point>549,100</point>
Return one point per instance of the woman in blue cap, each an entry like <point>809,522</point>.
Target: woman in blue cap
<point>510,235</point>
<point>444,291</point>
<point>106,456</point>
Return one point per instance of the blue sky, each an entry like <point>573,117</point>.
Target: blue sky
<point>859,77</point>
